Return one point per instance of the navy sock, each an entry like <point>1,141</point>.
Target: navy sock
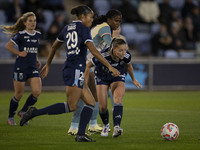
<point>13,107</point>
<point>29,102</point>
<point>55,109</point>
<point>85,118</point>
<point>105,117</point>
<point>117,114</point>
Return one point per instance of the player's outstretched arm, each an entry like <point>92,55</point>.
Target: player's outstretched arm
<point>129,68</point>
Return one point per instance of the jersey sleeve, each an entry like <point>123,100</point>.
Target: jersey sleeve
<point>127,58</point>
<point>94,61</point>
<point>60,37</point>
<point>86,35</point>
<point>104,31</point>
<point>16,39</point>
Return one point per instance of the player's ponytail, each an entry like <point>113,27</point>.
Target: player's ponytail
<point>103,18</point>
<point>83,9</point>
<point>18,26</point>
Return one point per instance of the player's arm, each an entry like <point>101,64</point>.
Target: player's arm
<point>107,39</point>
<point>87,71</point>
<point>45,69</point>
<point>129,68</point>
<point>98,55</point>
<point>10,47</point>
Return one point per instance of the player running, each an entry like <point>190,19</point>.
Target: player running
<point>26,66</point>
<point>101,31</point>
<point>120,58</point>
<point>77,39</point>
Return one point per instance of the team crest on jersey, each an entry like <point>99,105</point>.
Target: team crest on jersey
<point>21,76</point>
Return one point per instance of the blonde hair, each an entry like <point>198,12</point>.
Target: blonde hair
<point>18,26</point>
<point>116,42</point>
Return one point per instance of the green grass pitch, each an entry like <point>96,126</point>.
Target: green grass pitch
<point>144,115</point>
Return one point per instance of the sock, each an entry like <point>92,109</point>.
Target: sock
<point>117,114</point>
<point>76,114</point>
<point>105,117</point>
<point>31,100</point>
<point>111,98</point>
<point>93,120</point>
<point>85,118</point>
<point>55,109</point>
<point>13,107</point>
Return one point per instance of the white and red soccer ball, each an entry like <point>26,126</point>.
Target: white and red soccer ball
<point>170,131</point>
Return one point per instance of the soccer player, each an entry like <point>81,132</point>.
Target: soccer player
<point>77,39</point>
<point>26,66</point>
<point>101,31</point>
<point>120,58</point>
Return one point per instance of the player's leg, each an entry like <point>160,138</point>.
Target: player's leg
<point>73,95</point>
<point>93,125</point>
<point>19,91</point>
<point>36,87</point>
<point>76,118</point>
<point>118,90</point>
<point>103,111</point>
<point>86,114</point>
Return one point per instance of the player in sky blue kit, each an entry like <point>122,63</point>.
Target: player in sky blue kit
<point>26,66</point>
<point>118,56</point>
<point>77,39</point>
<point>101,32</point>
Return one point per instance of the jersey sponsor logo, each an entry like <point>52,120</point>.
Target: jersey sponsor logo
<point>31,49</point>
<point>77,51</point>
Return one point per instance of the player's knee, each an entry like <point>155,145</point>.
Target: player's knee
<point>19,94</point>
<point>36,92</point>
<point>102,108</point>
<point>72,107</point>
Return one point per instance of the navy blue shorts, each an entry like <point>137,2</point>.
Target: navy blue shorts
<point>73,77</point>
<point>103,81</point>
<point>23,76</point>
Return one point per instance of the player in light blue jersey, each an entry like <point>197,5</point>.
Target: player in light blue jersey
<point>77,38</point>
<point>26,66</point>
<point>101,32</point>
<point>119,58</point>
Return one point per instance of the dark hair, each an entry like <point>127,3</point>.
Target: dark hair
<point>83,9</point>
<point>103,18</point>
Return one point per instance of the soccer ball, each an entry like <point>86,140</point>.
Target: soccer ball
<point>170,131</point>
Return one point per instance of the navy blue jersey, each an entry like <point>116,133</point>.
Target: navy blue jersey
<point>75,35</point>
<point>102,72</point>
<point>30,43</point>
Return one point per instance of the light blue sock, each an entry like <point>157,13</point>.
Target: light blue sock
<point>111,98</point>
<point>93,120</point>
<point>76,114</point>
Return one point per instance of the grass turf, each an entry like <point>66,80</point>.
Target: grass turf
<point>144,115</point>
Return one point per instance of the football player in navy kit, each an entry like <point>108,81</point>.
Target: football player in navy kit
<point>26,67</point>
<point>118,56</point>
<point>77,39</point>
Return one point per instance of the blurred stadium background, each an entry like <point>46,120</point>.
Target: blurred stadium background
<point>158,64</point>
